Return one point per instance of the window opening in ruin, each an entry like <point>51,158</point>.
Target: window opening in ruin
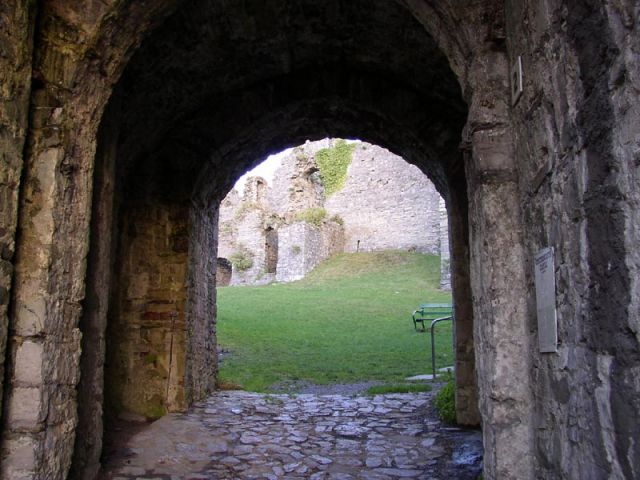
<point>261,191</point>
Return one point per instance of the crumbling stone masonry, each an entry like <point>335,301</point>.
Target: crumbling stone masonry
<point>385,203</point>
<point>304,245</point>
<point>264,246</point>
<point>124,123</point>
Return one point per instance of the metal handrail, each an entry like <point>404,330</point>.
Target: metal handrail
<point>433,344</point>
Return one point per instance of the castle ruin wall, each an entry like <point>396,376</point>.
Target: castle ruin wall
<point>386,203</point>
<point>302,246</point>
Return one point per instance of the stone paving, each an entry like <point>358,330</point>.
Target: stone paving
<point>240,435</point>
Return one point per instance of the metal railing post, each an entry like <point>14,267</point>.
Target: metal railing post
<point>433,345</point>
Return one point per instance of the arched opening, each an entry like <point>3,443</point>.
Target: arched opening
<point>210,85</point>
<point>223,272</point>
<point>173,145</point>
<point>354,333</point>
<point>270,250</point>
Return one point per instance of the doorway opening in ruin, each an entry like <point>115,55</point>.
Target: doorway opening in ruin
<point>271,250</point>
<point>169,149</point>
<point>223,272</point>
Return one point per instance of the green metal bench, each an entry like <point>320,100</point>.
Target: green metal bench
<point>430,311</point>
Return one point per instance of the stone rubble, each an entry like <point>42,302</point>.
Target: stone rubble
<point>241,435</point>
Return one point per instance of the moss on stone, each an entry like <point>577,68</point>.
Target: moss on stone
<point>314,215</point>
<point>155,409</point>
<point>227,228</point>
<point>337,219</point>
<point>445,402</point>
<point>333,163</point>
<point>244,208</point>
<point>150,358</point>
<point>242,259</point>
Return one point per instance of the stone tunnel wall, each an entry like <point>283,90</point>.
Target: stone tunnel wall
<point>445,255</point>
<point>147,331</point>
<point>573,135</point>
<point>578,148</point>
<point>16,45</point>
<point>201,355</point>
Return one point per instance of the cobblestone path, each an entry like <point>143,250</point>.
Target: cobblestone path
<point>239,435</point>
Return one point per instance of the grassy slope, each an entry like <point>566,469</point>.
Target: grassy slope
<point>349,320</point>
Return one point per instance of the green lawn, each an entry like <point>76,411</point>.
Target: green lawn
<point>349,320</point>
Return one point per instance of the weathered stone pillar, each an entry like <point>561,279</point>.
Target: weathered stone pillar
<point>93,322</point>
<point>48,288</point>
<point>467,412</point>
<point>577,143</point>
<point>74,74</point>
<point>445,255</point>
<point>498,267</point>
<point>16,45</point>
<point>202,354</point>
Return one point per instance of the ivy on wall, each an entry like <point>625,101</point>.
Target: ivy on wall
<point>333,163</point>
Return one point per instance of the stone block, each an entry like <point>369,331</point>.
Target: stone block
<point>30,314</point>
<point>62,358</point>
<point>61,405</point>
<point>25,409</point>
<point>18,458</point>
<point>28,363</point>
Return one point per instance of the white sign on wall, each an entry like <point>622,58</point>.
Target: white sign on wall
<point>546,301</point>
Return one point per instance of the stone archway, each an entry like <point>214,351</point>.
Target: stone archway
<point>145,170</point>
<point>546,170</point>
<point>340,95</point>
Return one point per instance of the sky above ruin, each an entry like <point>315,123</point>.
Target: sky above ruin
<point>265,170</point>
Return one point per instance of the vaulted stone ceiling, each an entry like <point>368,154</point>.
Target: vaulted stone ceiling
<point>229,82</point>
